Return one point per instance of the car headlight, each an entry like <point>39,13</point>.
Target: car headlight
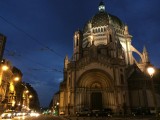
<point>9,114</point>
<point>2,115</point>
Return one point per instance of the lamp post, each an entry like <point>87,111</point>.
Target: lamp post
<point>7,84</point>
<point>16,78</point>
<point>3,68</point>
<point>25,95</point>
<point>57,107</point>
<point>27,98</point>
<point>13,81</point>
<point>12,91</point>
<point>30,96</point>
<point>151,72</point>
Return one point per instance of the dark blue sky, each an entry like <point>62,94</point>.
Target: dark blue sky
<point>40,33</point>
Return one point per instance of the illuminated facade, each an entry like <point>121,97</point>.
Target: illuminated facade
<point>103,70</point>
<point>12,90</point>
<point>9,76</point>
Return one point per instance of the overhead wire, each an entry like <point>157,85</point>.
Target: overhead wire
<point>11,53</point>
<point>31,37</point>
<point>36,69</point>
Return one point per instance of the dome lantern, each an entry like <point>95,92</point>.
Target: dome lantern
<point>101,7</point>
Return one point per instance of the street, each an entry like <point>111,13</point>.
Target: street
<point>112,118</point>
<point>50,117</point>
<point>41,117</point>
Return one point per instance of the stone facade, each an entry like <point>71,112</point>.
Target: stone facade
<point>8,83</point>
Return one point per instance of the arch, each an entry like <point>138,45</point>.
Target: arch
<point>136,51</point>
<point>93,30</point>
<point>95,78</point>
<point>77,42</point>
<point>101,29</point>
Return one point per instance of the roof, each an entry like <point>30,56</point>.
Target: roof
<point>136,74</point>
<point>102,18</point>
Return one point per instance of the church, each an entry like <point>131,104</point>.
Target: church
<point>103,73</point>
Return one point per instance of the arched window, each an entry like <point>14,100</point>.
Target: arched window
<point>69,80</point>
<point>122,79</point>
<point>101,29</point>
<point>98,29</point>
<point>77,42</point>
<point>110,37</point>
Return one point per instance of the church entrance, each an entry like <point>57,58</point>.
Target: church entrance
<point>96,100</point>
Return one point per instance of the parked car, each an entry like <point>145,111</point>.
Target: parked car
<point>103,112</point>
<point>96,113</point>
<point>107,112</point>
<point>7,114</point>
<point>84,112</point>
<point>141,111</point>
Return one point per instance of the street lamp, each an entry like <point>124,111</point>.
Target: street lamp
<point>26,91</point>
<point>151,72</point>
<point>57,103</point>
<point>16,78</point>
<point>5,68</point>
<point>13,81</point>
<point>30,96</point>
<point>57,108</point>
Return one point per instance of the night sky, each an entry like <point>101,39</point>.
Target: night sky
<point>40,33</point>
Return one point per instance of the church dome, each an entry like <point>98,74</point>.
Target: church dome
<point>102,18</point>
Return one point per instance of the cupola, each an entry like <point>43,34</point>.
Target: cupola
<point>101,7</point>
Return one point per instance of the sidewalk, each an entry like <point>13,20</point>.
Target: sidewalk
<point>109,118</point>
